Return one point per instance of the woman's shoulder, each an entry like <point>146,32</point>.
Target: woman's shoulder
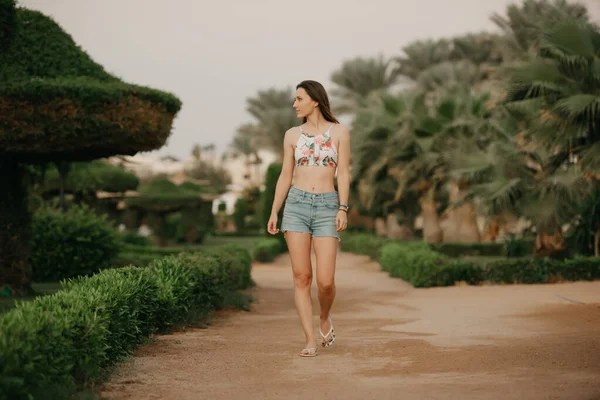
<point>340,130</point>
<point>292,133</point>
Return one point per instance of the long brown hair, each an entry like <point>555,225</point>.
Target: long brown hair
<point>317,92</point>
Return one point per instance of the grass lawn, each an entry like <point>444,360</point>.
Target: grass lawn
<point>7,303</point>
<point>243,241</point>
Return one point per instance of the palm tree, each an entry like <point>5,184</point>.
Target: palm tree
<point>244,144</point>
<point>563,87</point>
<point>422,54</point>
<point>525,24</point>
<point>274,114</point>
<point>537,185</point>
<point>359,77</point>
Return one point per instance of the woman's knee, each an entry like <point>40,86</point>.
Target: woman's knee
<point>302,281</point>
<point>326,285</point>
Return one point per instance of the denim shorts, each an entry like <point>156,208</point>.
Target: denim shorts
<point>313,213</point>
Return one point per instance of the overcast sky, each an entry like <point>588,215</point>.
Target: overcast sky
<point>215,54</point>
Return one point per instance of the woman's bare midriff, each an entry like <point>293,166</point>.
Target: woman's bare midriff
<point>314,179</point>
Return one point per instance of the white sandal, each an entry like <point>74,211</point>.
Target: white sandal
<point>325,342</point>
<point>308,352</point>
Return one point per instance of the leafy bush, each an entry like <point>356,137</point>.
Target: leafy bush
<point>76,242</point>
<point>265,250</point>
<point>69,338</point>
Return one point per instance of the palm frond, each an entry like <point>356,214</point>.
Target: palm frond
<point>581,107</point>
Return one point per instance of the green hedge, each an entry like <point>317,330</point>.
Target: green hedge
<point>363,243</point>
<point>414,262</point>
<point>76,242</point>
<point>65,340</point>
<point>469,249</point>
<point>369,244</point>
<point>265,250</point>
<point>417,264</point>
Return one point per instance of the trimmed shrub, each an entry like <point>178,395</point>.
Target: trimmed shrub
<point>265,250</point>
<point>578,268</point>
<point>534,270</point>
<point>76,242</point>
<point>454,271</point>
<point>67,339</point>
<point>414,262</point>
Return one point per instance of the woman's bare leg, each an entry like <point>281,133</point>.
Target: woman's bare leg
<point>326,249</point>
<point>299,248</point>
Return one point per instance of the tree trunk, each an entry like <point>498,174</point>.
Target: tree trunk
<point>63,170</point>
<point>462,223</point>
<point>432,232</point>
<point>397,231</point>
<point>549,244</point>
<point>492,229</point>
<point>15,229</point>
<point>597,243</point>
<point>380,227</point>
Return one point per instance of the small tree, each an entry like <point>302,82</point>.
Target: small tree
<point>240,213</point>
<point>268,195</point>
<point>160,197</point>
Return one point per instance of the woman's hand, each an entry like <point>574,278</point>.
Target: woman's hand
<point>341,221</point>
<point>272,225</point>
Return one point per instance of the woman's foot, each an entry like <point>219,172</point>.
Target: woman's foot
<point>327,338</point>
<point>310,350</point>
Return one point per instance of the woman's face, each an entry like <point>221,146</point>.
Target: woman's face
<point>303,104</point>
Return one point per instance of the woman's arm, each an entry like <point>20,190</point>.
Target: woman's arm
<point>285,177</point>
<point>343,167</point>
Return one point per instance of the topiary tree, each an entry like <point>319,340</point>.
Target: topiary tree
<point>268,195</point>
<point>58,105</point>
<point>87,178</point>
<point>160,197</point>
<point>240,213</point>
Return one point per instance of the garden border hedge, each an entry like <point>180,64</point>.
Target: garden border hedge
<point>420,265</point>
<point>66,340</point>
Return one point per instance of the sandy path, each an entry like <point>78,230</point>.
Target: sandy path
<point>393,341</point>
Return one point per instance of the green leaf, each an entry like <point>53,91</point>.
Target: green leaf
<point>580,106</point>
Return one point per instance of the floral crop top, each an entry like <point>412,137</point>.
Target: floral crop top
<point>318,150</point>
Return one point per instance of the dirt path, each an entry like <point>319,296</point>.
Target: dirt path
<point>393,341</point>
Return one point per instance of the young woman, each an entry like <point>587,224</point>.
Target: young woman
<point>314,212</point>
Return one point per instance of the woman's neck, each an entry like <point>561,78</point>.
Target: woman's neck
<point>316,120</point>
